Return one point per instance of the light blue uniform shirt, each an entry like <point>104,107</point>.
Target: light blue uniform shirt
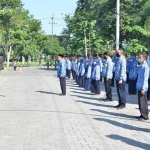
<point>114,59</point>
<point>108,69</point>
<point>82,69</point>
<point>143,75</point>
<point>68,65</point>
<point>77,68</point>
<point>120,70</point>
<point>96,73</point>
<point>72,64</point>
<point>89,71</point>
<point>148,63</point>
<point>101,65</point>
<point>61,71</point>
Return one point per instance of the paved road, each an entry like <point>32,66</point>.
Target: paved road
<point>34,117</point>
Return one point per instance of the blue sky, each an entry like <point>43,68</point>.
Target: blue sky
<point>46,8</point>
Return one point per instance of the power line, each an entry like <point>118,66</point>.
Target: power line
<point>53,22</point>
<point>50,17</point>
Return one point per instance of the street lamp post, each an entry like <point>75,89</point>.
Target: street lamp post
<point>85,38</point>
<point>118,25</point>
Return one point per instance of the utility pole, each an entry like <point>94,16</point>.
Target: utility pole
<point>53,22</point>
<point>118,25</point>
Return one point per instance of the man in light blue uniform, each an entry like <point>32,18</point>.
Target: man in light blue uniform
<point>72,67</point>
<point>68,67</point>
<point>95,77</point>
<point>107,75</point>
<point>148,92</point>
<point>120,76</point>
<point>61,73</point>
<point>77,71</point>
<point>88,72</point>
<point>132,69</point>
<point>142,87</point>
<point>114,59</point>
<point>81,72</point>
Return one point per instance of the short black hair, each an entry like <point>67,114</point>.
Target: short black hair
<point>122,50</point>
<point>144,54</point>
<point>106,53</point>
<point>60,55</point>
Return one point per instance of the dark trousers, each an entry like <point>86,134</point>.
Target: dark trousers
<point>96,86</point>
<point>127,81</point>
<point>143,106</point>
<point>121,93</point>
<point>68,73</point>
<point>77,79</point>
<point>101,78</point>
<point>80,81</point>
<point>63,85</point>
<point>108,88</point>
<point>15,68</point>
<point>132,87</point>
<point>73,73</point>
<point>113,80</point>
<point>148,92</point>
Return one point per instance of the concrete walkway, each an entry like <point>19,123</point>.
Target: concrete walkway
<point>34,117</point>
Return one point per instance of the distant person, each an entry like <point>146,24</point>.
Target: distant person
<point>81,72</point>
<point>68,63</point>
<point>61,73</point>
<point>114,59</point>
<point>15,65</point>
<point>107,75</point>
<point>132,75</point>
<point>148,63</point>
<point>120,76</point>
<point>142,87</point>
<point>95,76</point>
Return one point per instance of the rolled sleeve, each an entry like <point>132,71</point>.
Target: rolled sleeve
<point>109,70</point>
<point>145,80</point>
<point>123,70</point>
<point>98,72</point>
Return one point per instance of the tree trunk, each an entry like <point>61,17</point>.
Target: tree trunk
<point>8,55</point>
<point>148,44</point>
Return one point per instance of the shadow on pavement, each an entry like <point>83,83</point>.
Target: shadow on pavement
<point>122,125</point>
<point>44,92</point>
<point>113,113</point>
<point>131,142</point>
<point>82,92</point>
<point>50,69</point>
<point>88,98</point>
<point>2,96</point>
<point>78,88</point>
<point>94,104</point>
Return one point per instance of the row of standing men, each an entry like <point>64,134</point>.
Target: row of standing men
<point>88,72</point>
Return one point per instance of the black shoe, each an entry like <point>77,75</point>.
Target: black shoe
<point>117,106</point>
<point>142,119</point>
<point>107,100</point>
<point>137,117</point>
<point>61,94</point>
<point>121,107</point>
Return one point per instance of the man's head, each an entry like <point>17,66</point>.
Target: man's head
<point>60,57</point>
<point>143,57</point>
<point>75,58</point>
<point>106,55</point>
<point>114,51</point>
<point>120,52</point>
